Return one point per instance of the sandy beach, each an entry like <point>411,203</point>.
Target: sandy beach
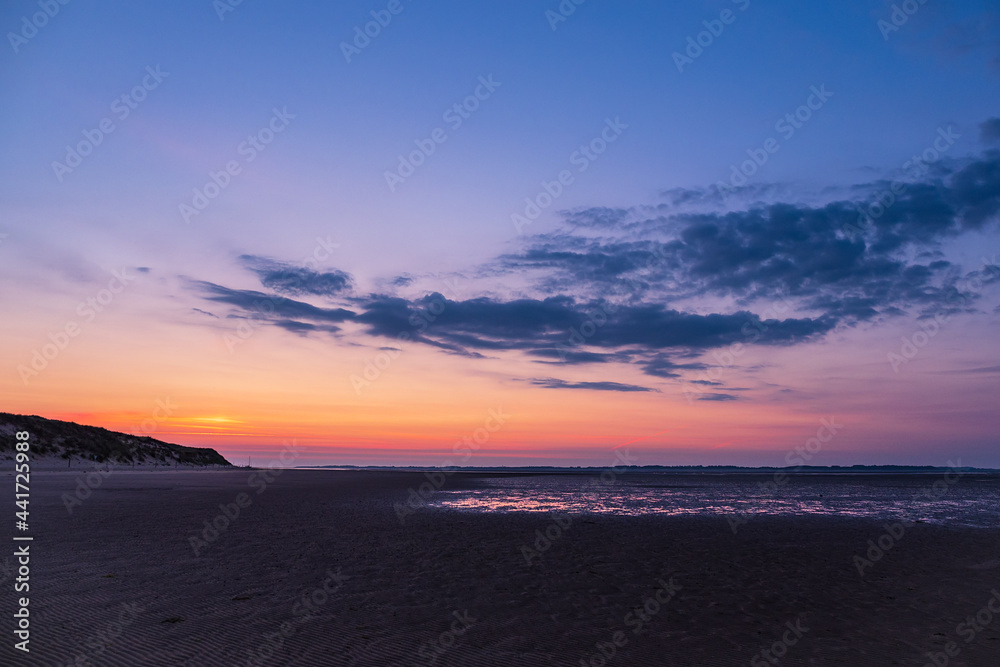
<point>317,569</point>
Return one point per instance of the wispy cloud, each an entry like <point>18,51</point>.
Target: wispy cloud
<point>554,383</point>
<point>286,278</point>
<point>717,397</point>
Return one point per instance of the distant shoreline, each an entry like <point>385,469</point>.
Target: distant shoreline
<point>680,470</point>
<point>56,464</point>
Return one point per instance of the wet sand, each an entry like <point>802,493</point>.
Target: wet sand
<point>317,569</point>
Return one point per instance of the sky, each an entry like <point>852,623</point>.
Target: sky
<point>507,233</point>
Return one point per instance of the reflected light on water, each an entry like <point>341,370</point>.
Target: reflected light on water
<point>898,497</point>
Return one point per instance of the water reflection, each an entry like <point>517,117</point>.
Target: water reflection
<point>973,501</point>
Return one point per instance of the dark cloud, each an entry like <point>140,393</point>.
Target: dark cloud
<point>714,197</point>
<point>388,316</point>
<point>656,327</point>
<point>568,356</point>
<point>269,307</point>
<point>564,328</point>
<point>482,322</point>
<point>285,278</point>
<point>304,328</point>
<point>607,281</point>
<point>989,131</point>
<point>987,274</point>
<point>662,366</point>
<point>717,397</point>
<point>402,281</point>
<point>982,369</point>
<point>553,383</point>
<point>555,330</point>
<point>850,260</point>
